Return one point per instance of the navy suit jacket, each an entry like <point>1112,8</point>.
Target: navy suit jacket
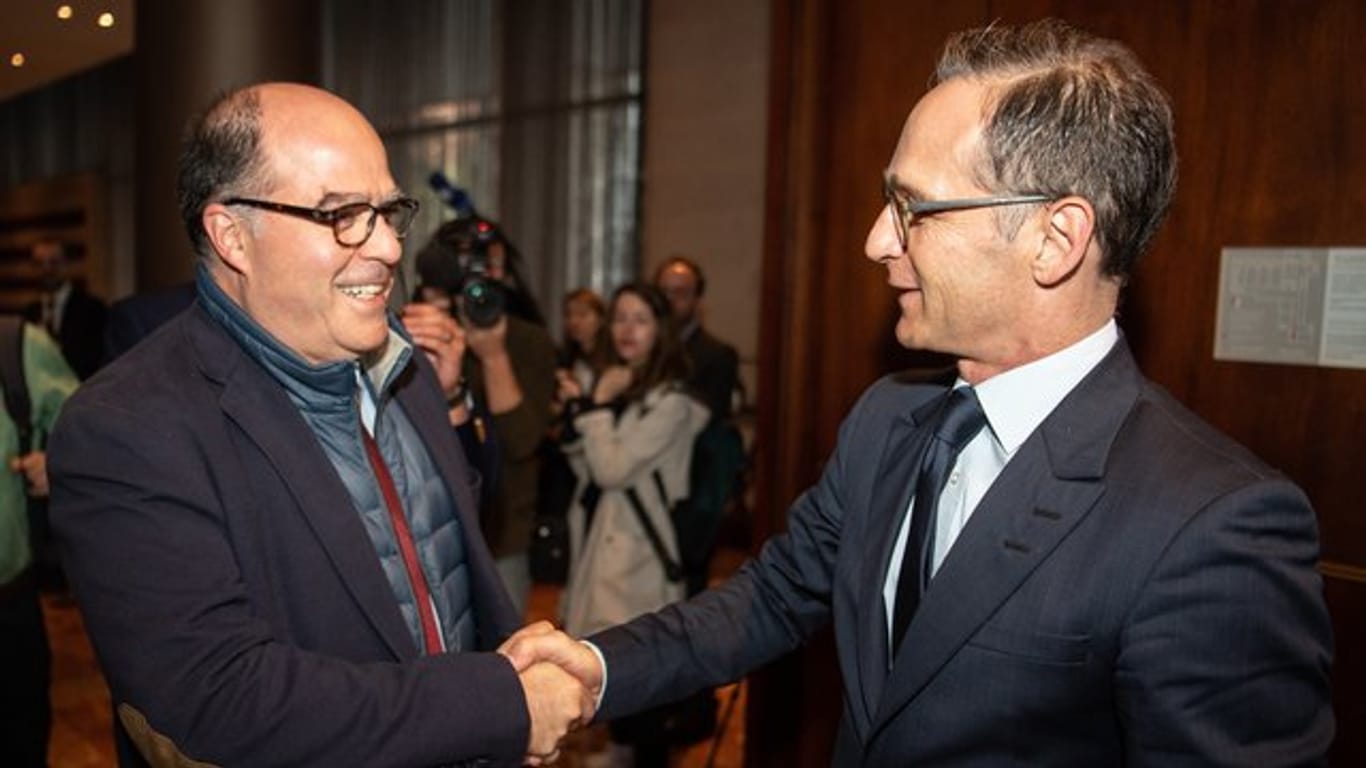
<point>1134,589</point>
<point>232,594</point>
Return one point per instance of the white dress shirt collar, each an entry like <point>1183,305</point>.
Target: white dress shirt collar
<point>1016,402</point>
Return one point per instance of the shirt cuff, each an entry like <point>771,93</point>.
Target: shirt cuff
<point>602,662</point>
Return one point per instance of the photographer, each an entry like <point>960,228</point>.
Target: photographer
<point>471,267</point>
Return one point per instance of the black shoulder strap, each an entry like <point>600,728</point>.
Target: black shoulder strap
<point>672,570</point>
<point>12,377</point>
<point>659,487</point>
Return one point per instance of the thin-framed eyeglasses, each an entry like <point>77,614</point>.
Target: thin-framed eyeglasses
<point>905,210</point>
<point>352,223</point>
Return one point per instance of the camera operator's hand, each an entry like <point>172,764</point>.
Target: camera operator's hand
<point>613,381</point>
<point>566,387</point>
<point>443,340</point>
<point>501,386</point>
<point>490,342</point>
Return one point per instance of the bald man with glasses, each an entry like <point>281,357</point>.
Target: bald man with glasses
<point>265,513</point>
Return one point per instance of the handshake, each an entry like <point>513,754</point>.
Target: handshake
<point>562,679</point>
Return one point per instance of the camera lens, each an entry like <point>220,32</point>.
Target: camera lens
<point>483,301</point>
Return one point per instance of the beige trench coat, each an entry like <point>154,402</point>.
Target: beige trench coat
<point>615,574</point>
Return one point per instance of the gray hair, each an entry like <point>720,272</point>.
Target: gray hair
<point>1073,114</point>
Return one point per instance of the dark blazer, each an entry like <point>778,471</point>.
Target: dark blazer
<point>1134,589</point>
<point>82,330</point>
<point>229,587</point>
<point>715,371</point>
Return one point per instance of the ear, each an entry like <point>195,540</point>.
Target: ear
<point>228,235</point>
<point>1067,238</point>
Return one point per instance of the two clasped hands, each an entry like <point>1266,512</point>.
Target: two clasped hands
<point>562,679</point>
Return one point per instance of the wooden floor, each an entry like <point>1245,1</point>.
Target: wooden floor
<point>82,730</point>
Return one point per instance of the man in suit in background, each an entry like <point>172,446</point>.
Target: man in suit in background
<point>265,515</point>
<point>1104,578</point>
<point>70,314</point>
<point>715,364</point>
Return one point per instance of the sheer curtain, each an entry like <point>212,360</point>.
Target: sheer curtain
<point>532,106</point>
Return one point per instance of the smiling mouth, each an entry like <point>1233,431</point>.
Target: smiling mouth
<point>365,290</point>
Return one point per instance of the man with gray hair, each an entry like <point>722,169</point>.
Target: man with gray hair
<point>1051,562</point>
<point>264,510</point>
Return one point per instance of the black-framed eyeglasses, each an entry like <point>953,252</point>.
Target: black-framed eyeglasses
<point>352,223</point>
<point>904,210</point>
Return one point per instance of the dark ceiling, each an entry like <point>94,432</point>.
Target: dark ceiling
<point>54,48</point>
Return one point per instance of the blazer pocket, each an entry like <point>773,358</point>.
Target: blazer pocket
<point>1037,647</point>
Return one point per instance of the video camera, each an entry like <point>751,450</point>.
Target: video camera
<point>457,259</point>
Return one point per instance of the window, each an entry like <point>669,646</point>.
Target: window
<point>531,106</point>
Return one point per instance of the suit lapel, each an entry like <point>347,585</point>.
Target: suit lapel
<point>264,413</point>
<point>1047,488</point>
<point>893,487</point>
<point>1013,530</point>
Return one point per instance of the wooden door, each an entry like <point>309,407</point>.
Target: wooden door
<point>1270,105</point>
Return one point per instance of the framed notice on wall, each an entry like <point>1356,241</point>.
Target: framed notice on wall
<point>1296,306</point>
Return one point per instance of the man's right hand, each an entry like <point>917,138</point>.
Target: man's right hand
<point>541,642</point>
<point>435,332</point>
<point>554,700</point>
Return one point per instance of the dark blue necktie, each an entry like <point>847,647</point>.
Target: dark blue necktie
<point>960,417</point>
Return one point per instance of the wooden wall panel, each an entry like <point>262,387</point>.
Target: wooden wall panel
<point>789,691</point>
<point>1270,106</point>
<point>1346,594</point>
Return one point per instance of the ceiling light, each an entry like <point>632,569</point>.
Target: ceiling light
<point>106,20</point>
<point>63,12</point>
<point>17,60</point>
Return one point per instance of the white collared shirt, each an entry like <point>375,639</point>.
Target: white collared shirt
<point>1016,403</point>
<point>54,307</point>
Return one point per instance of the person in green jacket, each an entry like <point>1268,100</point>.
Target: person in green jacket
<point>25,712</point>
